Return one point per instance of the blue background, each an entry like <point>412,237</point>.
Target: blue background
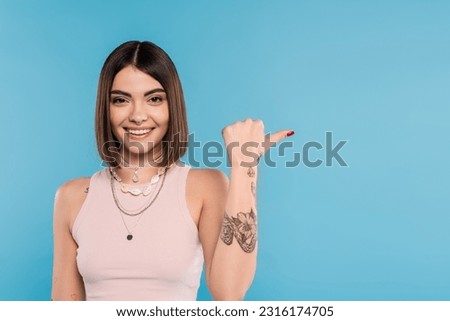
<point>376,74</point>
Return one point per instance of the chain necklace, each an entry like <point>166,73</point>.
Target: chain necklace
<point>123,211</point>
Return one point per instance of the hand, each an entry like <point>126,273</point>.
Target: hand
<point>246,142</point>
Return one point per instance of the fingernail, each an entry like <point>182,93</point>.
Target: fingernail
<point>290,133</point>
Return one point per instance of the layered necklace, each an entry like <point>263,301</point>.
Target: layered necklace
<point>145,191</point>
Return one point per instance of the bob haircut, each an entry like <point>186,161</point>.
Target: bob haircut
<point>152,60</point>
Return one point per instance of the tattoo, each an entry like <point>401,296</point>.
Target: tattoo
<point>243,228</point>
<point>253,188</point>
<point>86,190</point>
<point>251,172</point>
<point>226,234</point>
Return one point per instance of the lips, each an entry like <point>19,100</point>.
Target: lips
<point>138,133</point>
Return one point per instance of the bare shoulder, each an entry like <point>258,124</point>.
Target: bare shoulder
<point>207,178</point>
<point>69,198</point>
<point>207,187</point>
<point>73,185</point>
<point>206,191</point>
<point>71,190</point>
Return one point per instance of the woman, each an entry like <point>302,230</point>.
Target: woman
<point>142,227</point>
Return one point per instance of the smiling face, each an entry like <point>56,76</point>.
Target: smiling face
<point>138,113</point>
<point>126,100</point>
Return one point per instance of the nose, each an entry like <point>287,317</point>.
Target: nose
<point>138,113</point>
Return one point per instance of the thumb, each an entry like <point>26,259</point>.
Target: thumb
<point>271,139</point>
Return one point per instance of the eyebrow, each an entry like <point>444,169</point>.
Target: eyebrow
<point>124,93</point>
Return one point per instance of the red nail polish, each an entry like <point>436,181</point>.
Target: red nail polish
<point>290,133</point>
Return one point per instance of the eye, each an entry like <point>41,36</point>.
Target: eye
<point>155,100</point>
<point>118,100</point>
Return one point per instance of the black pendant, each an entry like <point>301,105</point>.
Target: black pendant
<point>129,237</point>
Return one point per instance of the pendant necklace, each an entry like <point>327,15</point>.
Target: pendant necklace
<point>133,190</point>
<point>124,211</point>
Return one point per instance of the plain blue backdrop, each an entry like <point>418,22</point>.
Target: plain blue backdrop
<point>376,74</point>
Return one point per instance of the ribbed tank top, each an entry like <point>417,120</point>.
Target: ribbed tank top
<point>163,261</point>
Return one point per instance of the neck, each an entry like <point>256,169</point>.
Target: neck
<point>144,174</point>
<point>138,166</point>
<point>135,156</point>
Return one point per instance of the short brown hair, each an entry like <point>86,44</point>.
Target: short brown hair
<point>152,60</point>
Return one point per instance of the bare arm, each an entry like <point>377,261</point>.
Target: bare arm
<point>231,209</point>
<point>67,284</point>
<point>234,262</point>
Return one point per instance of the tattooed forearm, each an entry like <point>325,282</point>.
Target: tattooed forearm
<point>253,189</point>
<point>243,228</point>
<point>251,172</point>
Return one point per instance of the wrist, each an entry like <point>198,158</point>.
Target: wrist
<point>248,171</point>
<point>246,161</point>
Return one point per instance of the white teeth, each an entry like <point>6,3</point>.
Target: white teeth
<point>138,131</point>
